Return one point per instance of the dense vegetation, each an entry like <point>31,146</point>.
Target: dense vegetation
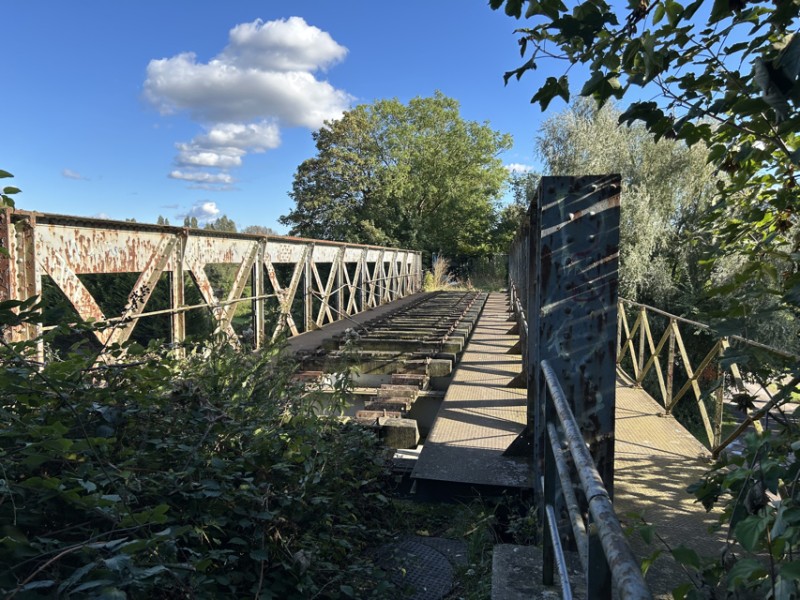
<point>142,475</point>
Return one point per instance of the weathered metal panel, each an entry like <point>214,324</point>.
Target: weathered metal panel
<point>8,258</point>
<point>577,282</point>
<point>87,250</point>
<point>65,247</point>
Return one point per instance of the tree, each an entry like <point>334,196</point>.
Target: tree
<point>223,223</point>
<point>259,230</point>
<point>190,222</point>
<point>725,75</point>
<point>667,184</point>
<point>414,175</point>
<point>162,220</point>
<point>523,191</point>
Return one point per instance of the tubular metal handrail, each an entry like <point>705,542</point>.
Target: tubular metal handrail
<point>604,551</point>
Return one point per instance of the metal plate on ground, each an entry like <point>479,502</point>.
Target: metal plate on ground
<point>420,570</point>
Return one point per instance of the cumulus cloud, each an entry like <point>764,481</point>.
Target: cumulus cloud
<point>263,79</point>
<point>204,211</point>
<point>224,145</point>
<point>201,176</point>
<point>518,168</point>
<point>265,71</point>
<point>283,45</point>
<point>70,174</point>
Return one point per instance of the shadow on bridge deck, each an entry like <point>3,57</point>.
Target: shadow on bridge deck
<point>656,460</point>
<point>480,416</point>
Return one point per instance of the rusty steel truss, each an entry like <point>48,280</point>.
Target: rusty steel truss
<point>330,280</point>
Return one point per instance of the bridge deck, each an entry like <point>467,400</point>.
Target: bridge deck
<point>480,415</point>
<point>656,460</point>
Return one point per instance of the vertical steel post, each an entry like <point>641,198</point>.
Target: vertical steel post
<point>620,308</point>
<point>308,288</point>
<point>258,291</point>
<point>573,308</point>
<point>671,364</point>
<point>642,317</point>
<point>177,294</point>
<point>362,282</point>
<point>531,295</point>
<point>720,395</point>
<point>341,307</point>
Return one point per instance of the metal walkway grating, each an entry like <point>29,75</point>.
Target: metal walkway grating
<point>480,416</point>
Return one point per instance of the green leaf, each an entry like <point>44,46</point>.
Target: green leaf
<point>791,570</point>
<point>37,585</point>
<point>646,532</point>
<point>719,11</point>
<point>680,592</point>
<point>514,8</point>
<point>4,174</point>
<point>674,12</point>
<point>552,87</point>
<point>745,569</point>
<point>750,531</point>
<point>686,556</point>
<point>658,13</point>
<point>11,190</point>
<point>648,561</point>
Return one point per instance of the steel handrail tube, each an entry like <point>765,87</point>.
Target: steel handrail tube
<point>576,520</point>
<point>627,576</point>
<point>558,551</point>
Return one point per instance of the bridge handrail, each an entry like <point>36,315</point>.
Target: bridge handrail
<point>606,535</point>
<point>649,354</point>
<point>319,280</point>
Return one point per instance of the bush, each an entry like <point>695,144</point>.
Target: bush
<point>153,477</point>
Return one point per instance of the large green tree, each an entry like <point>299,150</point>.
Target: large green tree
<point>415,175</point>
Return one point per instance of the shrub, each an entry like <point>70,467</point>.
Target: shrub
<point>154,477</point>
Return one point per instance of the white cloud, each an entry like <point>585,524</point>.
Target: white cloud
<point>70,174</point>
<point>257,137</point>
<point>204,210</point>
<point>262,80</point>
<point>197,156</point>
<point>201,176</point>
<point>518,168</point>
<point>283,45</point>
<point>265,72</point>
<point>225,144</point>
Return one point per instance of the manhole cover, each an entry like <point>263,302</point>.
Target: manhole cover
<point>424,572</point>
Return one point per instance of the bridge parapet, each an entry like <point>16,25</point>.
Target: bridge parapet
<point>709,369</point>
<point>314,281</point>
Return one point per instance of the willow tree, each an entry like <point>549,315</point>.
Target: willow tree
<point>667,185</point>
<point>415,175</point>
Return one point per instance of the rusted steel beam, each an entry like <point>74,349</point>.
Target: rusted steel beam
<point>66,248</point>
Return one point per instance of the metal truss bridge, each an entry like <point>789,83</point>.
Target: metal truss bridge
<point>541,388</point>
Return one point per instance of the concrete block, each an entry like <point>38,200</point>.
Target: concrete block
<point>399,433</point>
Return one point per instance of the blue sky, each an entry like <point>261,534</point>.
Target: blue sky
<point>131,109</point>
